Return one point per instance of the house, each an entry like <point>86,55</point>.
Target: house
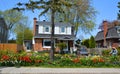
<point>64,32</point>
<point>3,31</point>
<point>112,37</point>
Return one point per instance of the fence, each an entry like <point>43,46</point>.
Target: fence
<point>96,50</point>
<point>10,47</point>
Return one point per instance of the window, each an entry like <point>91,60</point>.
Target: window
<point>62,29</point>
<point>46,29</point>
<point>47,43</point>
<point>118,31</point>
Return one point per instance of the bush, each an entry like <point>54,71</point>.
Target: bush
<point>106,52</point>
<point>118,50</point>
<point>67,60</point>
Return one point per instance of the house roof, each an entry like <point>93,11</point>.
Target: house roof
<point>56,23</point>
<point>59,37</point>
<point>112,33</point>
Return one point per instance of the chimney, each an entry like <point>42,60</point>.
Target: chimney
<point>105,29</point>
<point>34,23</point>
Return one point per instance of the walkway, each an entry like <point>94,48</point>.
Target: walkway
<point>37,70</point>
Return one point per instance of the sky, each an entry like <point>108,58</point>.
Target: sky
<point>106,10</point>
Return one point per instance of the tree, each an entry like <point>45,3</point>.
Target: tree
<point>47,5</point>
<point>23,33</point>
<point>92,42</point>
<point>12,19</point>
<point>81,15</point>
<point>119,10</point>
<point>85,42</point>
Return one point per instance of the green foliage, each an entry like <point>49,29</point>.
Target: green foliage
<point>85,42</point>
<point>12,18</point>
<point>62,45</point>
<point>81,14</point>
<point>106,52</point>
<point>118,50</point>
<point>92,42</point>
<point>67,60</point>
<point>23,33</point>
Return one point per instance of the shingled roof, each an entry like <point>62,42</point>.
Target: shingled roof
<point>59,37</point>
<point>112,33</point>
<point>56,23</point>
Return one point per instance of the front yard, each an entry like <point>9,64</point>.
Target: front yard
<point>67,60</point>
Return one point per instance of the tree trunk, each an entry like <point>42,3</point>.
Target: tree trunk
<point>52,36</point>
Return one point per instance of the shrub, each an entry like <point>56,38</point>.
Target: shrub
<point>106,52</point>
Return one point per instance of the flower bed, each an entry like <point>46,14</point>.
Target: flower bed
<point>67,60</point>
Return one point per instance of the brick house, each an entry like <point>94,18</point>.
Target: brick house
<point>112,37</point>
<point>3,31</point>
<point>42,33</point>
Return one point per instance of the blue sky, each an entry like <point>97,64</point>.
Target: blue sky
<point>107,10</point>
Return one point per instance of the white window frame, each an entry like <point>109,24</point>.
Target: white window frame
<point>44,29</point>
<point>44,43</point>
<point>61,30</point>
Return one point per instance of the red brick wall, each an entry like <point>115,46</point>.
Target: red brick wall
<point>38,45</point>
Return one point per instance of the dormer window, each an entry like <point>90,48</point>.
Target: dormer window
<point>46,29</point>
<point>62,30</point>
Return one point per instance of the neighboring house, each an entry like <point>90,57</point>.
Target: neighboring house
<point>3,31</point>
<point>42,33</point>
<point>112,37</point>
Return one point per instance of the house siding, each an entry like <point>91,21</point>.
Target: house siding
<point>57,30</point>
<point>40,29</point>
<point>69,31</point>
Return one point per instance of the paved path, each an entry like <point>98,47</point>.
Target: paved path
<point>37,70</point>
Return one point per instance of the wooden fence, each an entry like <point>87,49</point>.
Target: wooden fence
<point>10,47</point>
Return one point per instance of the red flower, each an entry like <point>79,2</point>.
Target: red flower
<point>25,58</point>
<point>5,57</point>
<point>94,60</point>
<point>101,60</point>
<point>76,60</point>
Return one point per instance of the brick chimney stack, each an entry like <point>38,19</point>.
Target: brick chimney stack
<point>105,29</point>
<point>34,23</point>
